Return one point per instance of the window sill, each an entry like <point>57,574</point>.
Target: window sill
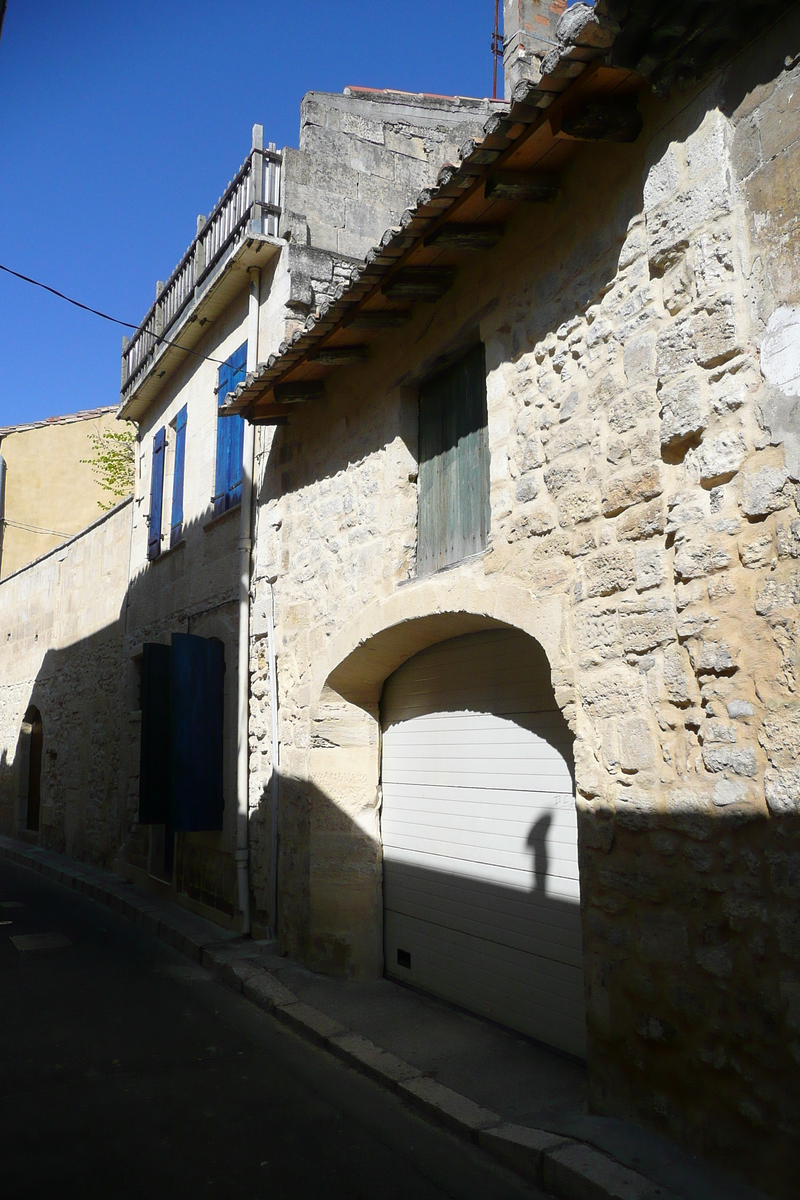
<point>169,550</point>
<point>218,518</point>
<point>453,566</point>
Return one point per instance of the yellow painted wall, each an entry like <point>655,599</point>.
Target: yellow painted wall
<point>47,486</point>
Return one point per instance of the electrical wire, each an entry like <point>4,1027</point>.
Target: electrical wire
<point>114,320</point>
<point>34,528</point>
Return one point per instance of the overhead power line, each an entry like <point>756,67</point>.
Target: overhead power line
<point>33,528</point>
<point>114,320</point>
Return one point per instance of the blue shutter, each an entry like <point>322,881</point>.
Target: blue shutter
<point>154,802</point>
<point>176,528</point>
<point>238,365</point>
<point>156,495</point>
<point>230,435</point>
<point>235,458</point>
<point>196,698</point>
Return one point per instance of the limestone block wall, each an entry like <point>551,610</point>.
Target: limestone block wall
<point>645,529</point>
<point>61,644</point>
<point>363,157</point>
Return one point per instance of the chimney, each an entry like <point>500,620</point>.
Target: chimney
<point>530,31</point>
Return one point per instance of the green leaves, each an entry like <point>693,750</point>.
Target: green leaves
<point>112,462</point>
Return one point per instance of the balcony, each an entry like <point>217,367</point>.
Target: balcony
<point>240,231</point>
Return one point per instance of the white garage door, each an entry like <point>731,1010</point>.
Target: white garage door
<point>481,890</point>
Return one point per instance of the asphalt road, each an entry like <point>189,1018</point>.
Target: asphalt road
<point>127,1071</point>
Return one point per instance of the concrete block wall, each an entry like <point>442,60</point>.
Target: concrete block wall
<point>645,529</point>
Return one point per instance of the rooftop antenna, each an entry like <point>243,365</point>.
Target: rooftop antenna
<point>497,47</point>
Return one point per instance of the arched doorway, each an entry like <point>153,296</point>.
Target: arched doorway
<point>479,832</point>
<point>32,726</point>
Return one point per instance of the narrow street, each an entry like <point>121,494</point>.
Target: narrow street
<point>128,1071</point>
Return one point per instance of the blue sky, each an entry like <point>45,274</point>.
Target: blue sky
<point>120,122</point>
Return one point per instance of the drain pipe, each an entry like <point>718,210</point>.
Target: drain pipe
<point>243,672</point>
<point>2,504</point>
<point>276,746</point>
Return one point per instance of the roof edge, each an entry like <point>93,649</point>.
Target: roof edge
<point>86,414</point>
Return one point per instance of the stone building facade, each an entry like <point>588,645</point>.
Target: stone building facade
<point>640,340</point>
<point>62,621</point>
<point>632,297</point>
<point>77,623</point>
<point>362,157</point>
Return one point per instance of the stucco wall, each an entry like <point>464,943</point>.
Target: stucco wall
<point>62,624</point>
<point>191,588</point>
<point>47,486</point>
<point>645,529</point>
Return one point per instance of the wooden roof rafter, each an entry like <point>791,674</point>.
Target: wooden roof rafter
<point>531,142</point>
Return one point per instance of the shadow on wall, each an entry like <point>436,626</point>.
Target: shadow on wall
<point>64,781</point>
<point>85,697</point>
<point>682,1019</point>
<point>692,941</point>
<point>507,953</point>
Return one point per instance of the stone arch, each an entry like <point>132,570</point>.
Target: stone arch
<point>383,635</point>
<point>348,674</point>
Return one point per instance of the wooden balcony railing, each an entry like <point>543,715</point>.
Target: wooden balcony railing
<point>249,205</point>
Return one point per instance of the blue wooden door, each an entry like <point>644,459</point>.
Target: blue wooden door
<point>196,707</point>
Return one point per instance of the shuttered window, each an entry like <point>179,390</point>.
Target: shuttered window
<point>180,772</point>
<point>453,487</point>
<point>156,495</point>
<point>176,523</point>
<point>230,436</point>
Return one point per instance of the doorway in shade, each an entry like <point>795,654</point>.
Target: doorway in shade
<point>33,730</point>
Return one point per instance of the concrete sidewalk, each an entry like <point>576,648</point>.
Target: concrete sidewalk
<point>522,1102</point>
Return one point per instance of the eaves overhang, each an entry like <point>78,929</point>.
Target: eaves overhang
<point>586,92</point>
<point>210,299</point>
<point>519,158</point>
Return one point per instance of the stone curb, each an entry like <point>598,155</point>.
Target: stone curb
<point>566,1168</point>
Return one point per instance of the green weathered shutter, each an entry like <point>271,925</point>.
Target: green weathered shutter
<point>453,486</point>
<point>156,495</point>
<point>176,524</point>
<point>196,705</point>
<point>154,802</point>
